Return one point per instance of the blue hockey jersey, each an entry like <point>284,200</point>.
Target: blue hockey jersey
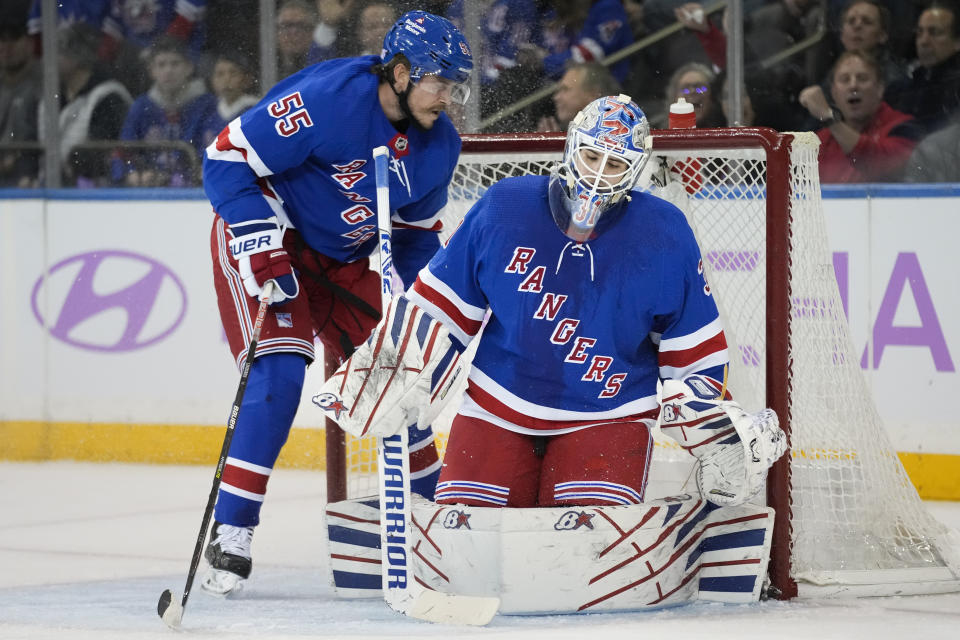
<point>507,25</point>
<point>578,333</point>
<point>605,31</point>
<point>510,24</point>
<point>304,154</point>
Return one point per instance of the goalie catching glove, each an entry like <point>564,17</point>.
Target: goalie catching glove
<point>257,246</point>
<point>400,376</point>
<point>734,448</point>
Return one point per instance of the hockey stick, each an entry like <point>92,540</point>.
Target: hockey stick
<point>401,591</point>
<point>170,611</point>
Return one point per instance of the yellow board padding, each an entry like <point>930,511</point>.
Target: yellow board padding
<point>935,475</point>
<point>362,452</point>
<point>141,443</point>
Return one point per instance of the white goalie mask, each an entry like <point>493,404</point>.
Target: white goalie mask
<point>605,153</point>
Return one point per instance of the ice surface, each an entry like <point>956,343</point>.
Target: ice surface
<point>86,550</point>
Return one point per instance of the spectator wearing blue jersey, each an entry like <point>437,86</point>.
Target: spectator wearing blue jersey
<point>141,22</point>
<point>532,43</point>
<point>69,12</point>
<point>582,31</point>
<point>174,103</point>
<point>293,187</point>
<point>132,26</point>
<point>507,26</point>
<point>509,64</point>
<point>232,81</point>
<point>127,28</point>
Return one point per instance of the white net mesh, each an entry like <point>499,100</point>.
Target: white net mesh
<point>856,518</point>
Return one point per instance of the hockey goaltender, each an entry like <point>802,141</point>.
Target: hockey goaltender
<point>583,294</point>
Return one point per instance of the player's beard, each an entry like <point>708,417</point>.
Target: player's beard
<point>403,97</point>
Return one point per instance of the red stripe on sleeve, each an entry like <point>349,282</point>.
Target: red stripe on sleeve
<point>686,357</point>
<point>468,326</point>
<point>585,53</point>
<point>224,144</point>
<point>435,227</point>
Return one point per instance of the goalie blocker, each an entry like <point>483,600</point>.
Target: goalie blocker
<point>401,375</point>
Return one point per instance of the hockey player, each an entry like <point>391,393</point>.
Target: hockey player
<point>595,292</point>
<point>292,184</point>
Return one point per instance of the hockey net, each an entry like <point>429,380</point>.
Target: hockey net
<point>848,519</point>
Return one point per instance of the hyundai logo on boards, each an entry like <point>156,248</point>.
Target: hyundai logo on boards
<point>109,300</point>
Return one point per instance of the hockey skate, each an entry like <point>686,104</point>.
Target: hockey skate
<point>229,557</point>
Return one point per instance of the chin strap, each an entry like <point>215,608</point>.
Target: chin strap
<point>403,97</point>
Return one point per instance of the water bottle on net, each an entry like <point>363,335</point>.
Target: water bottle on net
<point>682,116</point>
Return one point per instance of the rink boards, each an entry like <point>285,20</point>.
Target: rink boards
<point>112,349</point>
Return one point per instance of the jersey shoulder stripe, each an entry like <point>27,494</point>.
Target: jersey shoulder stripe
<point>686,357</point>
<point>438,300</point>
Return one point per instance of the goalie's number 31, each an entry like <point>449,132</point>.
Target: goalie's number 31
<point>291,114</point>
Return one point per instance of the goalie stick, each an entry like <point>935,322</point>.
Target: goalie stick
<point>401,591</point>
<point>168,608</point>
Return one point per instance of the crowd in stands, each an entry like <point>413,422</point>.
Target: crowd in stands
<point>877,80</point>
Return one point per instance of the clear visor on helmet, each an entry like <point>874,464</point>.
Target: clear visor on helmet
<point>457,92</point>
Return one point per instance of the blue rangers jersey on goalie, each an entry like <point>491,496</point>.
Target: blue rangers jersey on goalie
<point>304,154</point>
<point>578,334</point>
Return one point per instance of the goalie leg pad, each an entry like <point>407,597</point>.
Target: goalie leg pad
<point>585,559</point>
<point>353,541</point>
<point>567,560</point>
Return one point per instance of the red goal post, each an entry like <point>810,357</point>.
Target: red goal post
<point>848,520</point>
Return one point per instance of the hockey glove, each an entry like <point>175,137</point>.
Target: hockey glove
<point>258,249</point>
<point>735,448</point>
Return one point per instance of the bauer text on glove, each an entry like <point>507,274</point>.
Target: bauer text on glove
<point>258,249</point>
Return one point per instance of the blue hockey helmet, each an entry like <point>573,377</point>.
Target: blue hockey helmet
<point>605,152</point>
<point>434,47</point>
